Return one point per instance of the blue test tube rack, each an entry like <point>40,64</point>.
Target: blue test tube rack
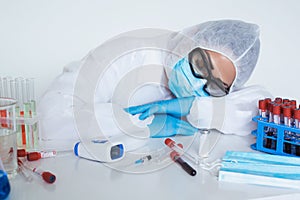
<point>276,138</point>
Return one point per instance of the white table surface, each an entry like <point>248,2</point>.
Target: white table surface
<point>83,179</point>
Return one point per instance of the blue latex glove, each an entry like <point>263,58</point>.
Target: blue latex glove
<point>166,125</point>
<point>175,107</point>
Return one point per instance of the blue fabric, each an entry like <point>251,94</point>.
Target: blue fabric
<point>262,165</point>
<point>175,107</point>
<point>166,126</point>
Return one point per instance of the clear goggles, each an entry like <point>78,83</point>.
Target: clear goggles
<point>201,66</point>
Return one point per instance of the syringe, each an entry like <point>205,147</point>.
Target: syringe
<point>143,159</point>
<point>178,148</point>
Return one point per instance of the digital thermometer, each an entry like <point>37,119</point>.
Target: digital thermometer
<point>102,150</point>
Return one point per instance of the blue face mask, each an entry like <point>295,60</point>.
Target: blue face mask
<point>183,83</point>
<point>263,169</point>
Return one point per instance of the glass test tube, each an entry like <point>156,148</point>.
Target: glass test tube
<point>26,111</point>
<point>20,109</point>
<point>6,86</point>
<point>32,111</point>
<point>31,95</point>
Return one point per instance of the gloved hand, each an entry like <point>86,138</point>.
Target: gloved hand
<point>166,125</point>
<point>175,107</point>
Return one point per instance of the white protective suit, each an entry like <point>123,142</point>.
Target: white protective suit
<point>231,114</point>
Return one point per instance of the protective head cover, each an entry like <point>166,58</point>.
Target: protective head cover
<point>237,40</point>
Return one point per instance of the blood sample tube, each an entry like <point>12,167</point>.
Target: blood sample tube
<point>45,175</point>
<point>179,149</point>
<point>287,134</point>
<point>293,102</point>
<point>297,125</point>
<point>269,130</point>
<point>276,113</point>
<point>31,156</point>
<point>287,114</point>
<point>270,108</point>
<point>185,166</point>
<point>21,153</point>
<point>38,155</point>
<point>276,120</point>
<point>278,100</point>
<point>268,101</point>
<point>297,117</point>
<point>262,108</point>
<point>284,101</point>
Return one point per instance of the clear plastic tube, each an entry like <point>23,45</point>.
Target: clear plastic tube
<point>45,175</point>
<point>24,172</point>
<point>179,149</point>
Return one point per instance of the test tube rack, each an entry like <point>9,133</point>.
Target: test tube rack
<point>283,140</point>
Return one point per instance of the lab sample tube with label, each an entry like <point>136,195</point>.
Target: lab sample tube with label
<point>287,134</point>
<point>179,148</point>
<point>185,166</point>
<point>297,117</point>
<point>297,125</point>
<point>48,177</point>
<point>268,101</point>
<point>262,108</point>
<point>268,130</point>
<point>32,156</point>
<point>276,120</point>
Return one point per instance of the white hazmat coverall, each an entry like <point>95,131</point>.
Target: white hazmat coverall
<point>230,114</point>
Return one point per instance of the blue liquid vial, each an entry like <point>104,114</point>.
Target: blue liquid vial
<point>4,185</point>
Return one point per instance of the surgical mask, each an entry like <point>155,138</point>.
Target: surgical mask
<point>258,168</point>
<point>183,83</point>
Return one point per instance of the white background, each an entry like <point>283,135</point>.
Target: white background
<point>39,37</point>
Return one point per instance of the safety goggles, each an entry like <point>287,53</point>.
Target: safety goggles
<point>201,66</point>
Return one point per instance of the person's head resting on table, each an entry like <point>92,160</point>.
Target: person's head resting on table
<point>225,56</point>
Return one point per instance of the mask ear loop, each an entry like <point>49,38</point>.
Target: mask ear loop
<point>212,167</point>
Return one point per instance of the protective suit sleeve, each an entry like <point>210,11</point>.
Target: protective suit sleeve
<point>55,107</point>
<point>231,114</point>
